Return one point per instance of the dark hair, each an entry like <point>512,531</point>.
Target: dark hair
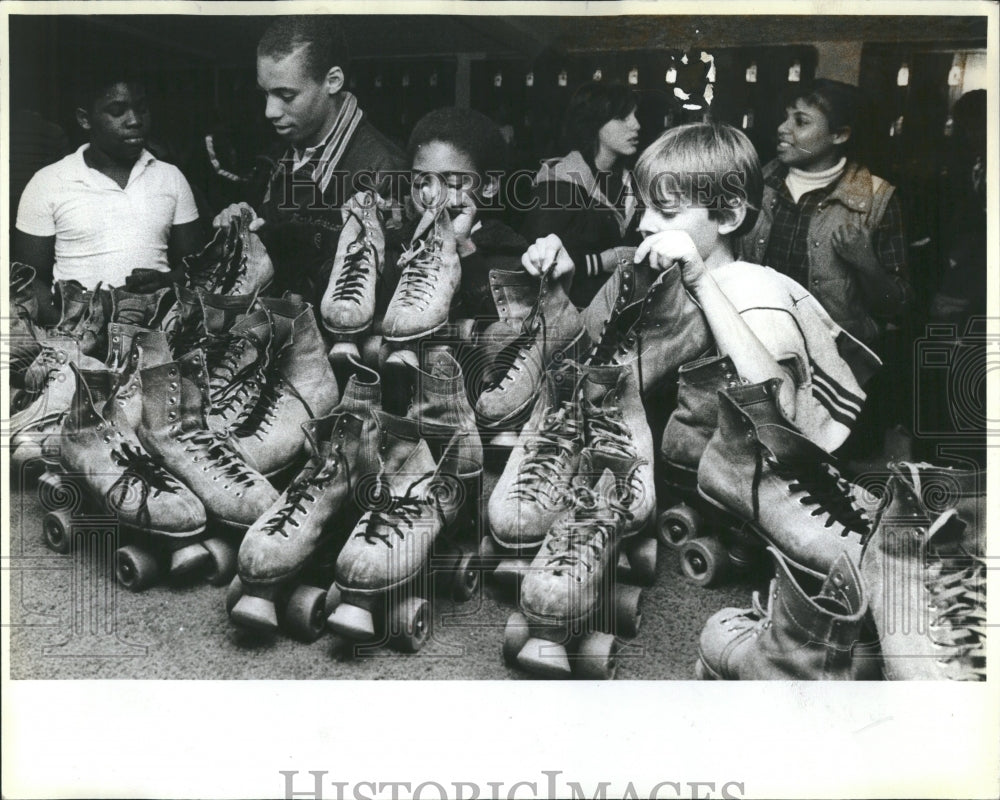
<point>326,45</point>
<point>466,130</point>
<point>841,104</point>
<point>710,165</point>
<point>591,107</point>
<point>969,112</point>
<point>92,82</point>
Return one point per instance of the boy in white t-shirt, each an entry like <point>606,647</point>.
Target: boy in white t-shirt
<point>110,212</point>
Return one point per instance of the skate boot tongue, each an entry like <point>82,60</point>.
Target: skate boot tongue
<point>790,447</point>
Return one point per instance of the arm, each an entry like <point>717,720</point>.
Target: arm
<point>559,212</point>
<point>879,260</point>
<point>39,252</point>
<point>733,337</point>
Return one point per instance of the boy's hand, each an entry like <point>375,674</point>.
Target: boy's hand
<point>854,243</point>
<point>547,254</point>
<point>231,214</point>
<point>462,224</point>
<point>673,247</point>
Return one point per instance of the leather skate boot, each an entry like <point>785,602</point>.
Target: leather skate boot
<point>441,407</point>
<point>348,305</point>
<point>146,310</point>
<point>926,587</point>
<point>148,349</point>
<point>696,416</point>
<point>810,630</point>
<point>92,328</point>
<point>24,344</point>
<point>551,332</point>
<point>571,606</point>
<point>116,470</point>
<point>40,418</point>
<point>615,428</point>
<point>54,355</point>
<point>237,362</point>
<point>297,531</point>
<point>299,385</point>
<point>648,320</point>
<point>535,486</point>
<point>762,471</point>
<point>253,272</point>
<point>185,322</point>
<point>410,501</point>
<point>174,430</point>
<point>74,301</point>
<point>430,275</point>
<point>207,269</point>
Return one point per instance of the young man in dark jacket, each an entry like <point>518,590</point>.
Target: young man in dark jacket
<point>333,151</point>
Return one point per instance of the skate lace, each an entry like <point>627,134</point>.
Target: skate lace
<point>521,347</point>
<point>582,540</point>
<point>354,277</point>
<point>215,451</point>
<point>140,469</point>
<point>400,515</point>
<point>422,265</point>
<point>202,268</point>
<point>825,491</point>
<point>547,454</point>
<point>230,387</point>
<point>187,334</point>
<point>956,583</point>
<point>301,490</point>
<point>607,431</point>
<point>274,387</point>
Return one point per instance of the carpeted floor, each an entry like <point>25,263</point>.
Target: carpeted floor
<point>70,619</point>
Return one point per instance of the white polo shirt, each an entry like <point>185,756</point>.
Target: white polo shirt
<point>102,231</point>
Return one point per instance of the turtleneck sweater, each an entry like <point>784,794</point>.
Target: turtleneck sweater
<point>799,181</point>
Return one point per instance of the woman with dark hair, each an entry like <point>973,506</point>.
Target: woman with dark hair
<point>586,198</point>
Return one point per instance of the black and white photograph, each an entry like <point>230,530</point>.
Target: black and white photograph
<point>499,400</point>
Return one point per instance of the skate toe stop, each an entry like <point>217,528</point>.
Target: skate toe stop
<point>352,622</point>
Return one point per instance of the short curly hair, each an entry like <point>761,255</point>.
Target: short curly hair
<point>466,130</point>
<point>322,35</point>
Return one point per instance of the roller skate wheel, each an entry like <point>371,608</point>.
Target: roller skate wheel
<point>628,611</point>
<point>135,569</point>
<point>189,559</point>
<point>544,658</point>
<point>678,524</point>
<point>641,555</point>
<point>466,579</point>
<point>305,613</point>
<point>352,622</point>
<point>703,561</point>
<point>410,624</point>
<point>49,481</point>
<point>597,657</point>
<point>223,566</point>
<point>233,593</point>
<point>57,528</point>
<point>255,613</point>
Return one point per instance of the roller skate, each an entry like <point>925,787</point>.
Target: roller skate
<point>430,276</point>
<point>286,559</point>
<point>104,475</point>
<point>550,331</point>
<point>710,545</point>
<point>572,607</point>
<point>298,385</point>
<point>811,629</point>
<point>418,513</point>
<point>174,430</point>
<point>534,489</point>
<point>348,306</point>
<point>925,575</point>
<point>760,470</point>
